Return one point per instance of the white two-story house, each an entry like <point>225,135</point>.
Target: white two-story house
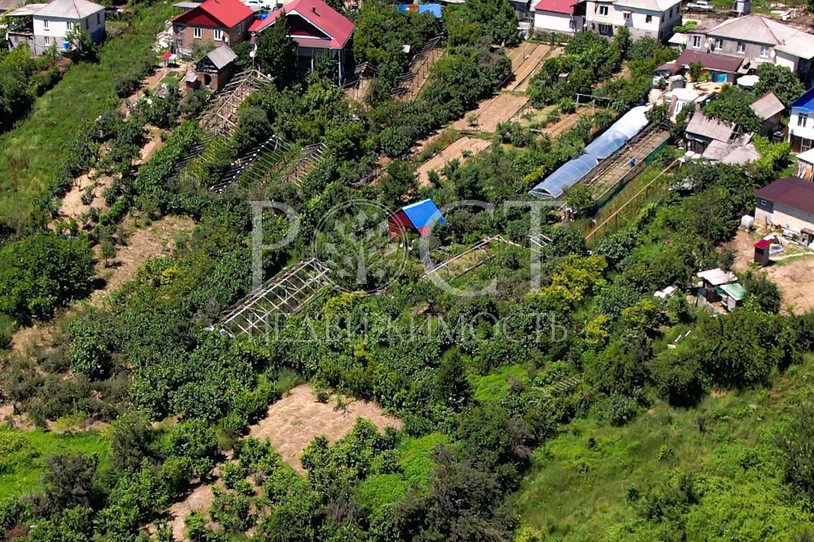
<point>653,18</point>
<point>43,26</point>
<point>801,123</point>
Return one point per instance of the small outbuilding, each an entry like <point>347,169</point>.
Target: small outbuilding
<point>418,217</point>
<point>215,69</point>
<point>762,248</point>
<point>769,108</point>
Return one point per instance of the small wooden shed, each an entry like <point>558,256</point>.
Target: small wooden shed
<point>215,69</point>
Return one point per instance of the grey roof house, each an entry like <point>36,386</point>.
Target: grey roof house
<point>756,39</point>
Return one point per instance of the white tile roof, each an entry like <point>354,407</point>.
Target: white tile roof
<point>69,9</point>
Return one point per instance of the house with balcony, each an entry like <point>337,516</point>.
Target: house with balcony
<point>48,26</point>
<point>653,18</point>
<point>561,16</point>
<point>755,40</point>
<point>317,29</point>
<point>801,122</point>
<point>212,23</point>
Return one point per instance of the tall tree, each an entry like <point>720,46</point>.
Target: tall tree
<point>780,80</point>
<point>277,52</point>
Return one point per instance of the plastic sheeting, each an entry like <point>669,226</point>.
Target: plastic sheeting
<point>613,139</point>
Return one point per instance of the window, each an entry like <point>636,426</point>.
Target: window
<point>196,33</point>
<point>87,24</point>
<point>603,10</point>
<point>45,24</point>
<point>696,42</point>
<point>648,19</point>
<point>741,47</point>
<point>764,51</point>
<point>626,16</point>
<point>98,18</point>
<point>47,40</point>
<point>719,43</point>
<point>802,119</point>
<point>606,30</point>
<point>218,35</point>
<point>70,25</point>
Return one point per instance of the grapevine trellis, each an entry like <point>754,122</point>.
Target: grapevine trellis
<point>310,156</point>
<point>471,258</point>
<point>221,117</point>
<point>284,294</point>
<point>418,70</point>
<point>270,151</point>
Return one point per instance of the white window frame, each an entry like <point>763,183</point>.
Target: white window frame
<point>218,34</point>
<point>719,44</point>
<point>764,51</point>
<point>802,120</point>
<point>603,11</point>
<point>47,40</point>
<point>626,16</point>
<point>197,32</point>
<point>45,24</point>
<point>741,48</point>
<point>696,42</point>
<point>605,29</point>
<point>69,25</point>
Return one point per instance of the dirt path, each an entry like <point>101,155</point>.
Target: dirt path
<point>567,121</point>
<point>158,239</point>
<point>492,112</point>
<point>792,276</point>
<point>523,85</point>
<point>294,421</point>
<point>291,424</point>
<point>72,207</point>
<point>531,61</point>
<point>455,151</point>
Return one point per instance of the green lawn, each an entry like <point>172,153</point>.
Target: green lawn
<point>23,455</point>
<point>32,150</point>
<point>581,485</point>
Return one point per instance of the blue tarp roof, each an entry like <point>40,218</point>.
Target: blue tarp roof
<point>806,101</point>
<point>614,138</point>
<point>423,213</point>
<point>435,9</point>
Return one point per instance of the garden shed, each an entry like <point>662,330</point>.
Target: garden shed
<point>215,69</point>
<point>418,217</point>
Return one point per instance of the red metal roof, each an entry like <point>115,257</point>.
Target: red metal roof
<point>557,6</point>
<point>763,243</point>
<point>216,13</point>
<point>326,20</point>
<point>794,192</point>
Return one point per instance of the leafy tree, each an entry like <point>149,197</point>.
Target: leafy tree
<point>132,442</point>
<point>780,80</point>
<point>497,19</point>
<point>796,444</point>
<point>453,387</point>
<point>42,272</point>
<point>84,49</point>
<point>762,292</point>
<point>253,127</point>
<point>68,481</point>
<point>277,52</point>
<point>732,105</point>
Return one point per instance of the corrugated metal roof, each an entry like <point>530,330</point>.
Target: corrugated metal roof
<point>704,126</point>
<point>69,9</point>
<point>225,13</point>
<point>24,11</point>
<point>319,14</point>
<point>806,101</point>
<point>795,192</point>
<point>718,151</point>
<point>556,6</point>
<point>423,215</point>
<point>767,106</point>
<point>222,56</point>
<point>755,29</point>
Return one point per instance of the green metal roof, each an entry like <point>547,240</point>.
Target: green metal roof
<point>734,290</point>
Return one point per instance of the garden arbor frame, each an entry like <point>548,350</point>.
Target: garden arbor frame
<point>284,294</point>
